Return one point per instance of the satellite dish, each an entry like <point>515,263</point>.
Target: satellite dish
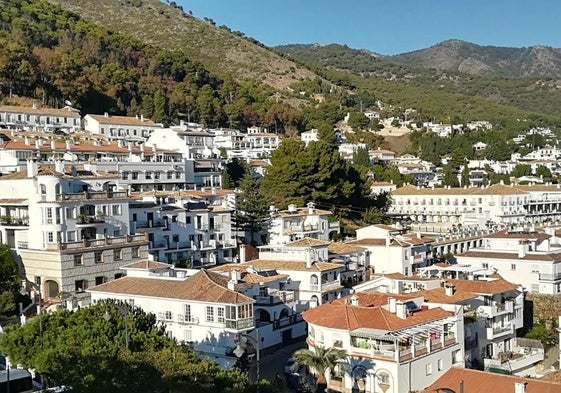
<point>68,102</point>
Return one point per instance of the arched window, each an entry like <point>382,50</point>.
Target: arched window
<point>57,189</point>
<point>43,190</point>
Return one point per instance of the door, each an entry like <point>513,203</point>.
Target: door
<point>287,336</point>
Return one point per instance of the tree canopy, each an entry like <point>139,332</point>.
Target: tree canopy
<point>315,173</point>
<point>87,352</point>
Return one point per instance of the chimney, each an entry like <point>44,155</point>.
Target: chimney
<point>59,166</point>
<point>53,145</point>
<point>141,117</point>
<point>32,168</point>
<point>68,144</point>
<point>449,290</point>
<point>142,147</point>
<point>522,246</point>
<point>106,114</point>
<point>232,285</point>
<point>235,275</point>
<point>309,259</point>
<point>392,305</point>
<point>418,235</point>
<point>311,207</point>
<point>26,140</point>
<point>401,310</point>
<point>353,300</point>
<point>37,143</point>
<point>388,239</point>
<point>242,253</point>
<point>520,387</point>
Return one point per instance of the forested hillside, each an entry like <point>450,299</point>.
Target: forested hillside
<point>435,92</point>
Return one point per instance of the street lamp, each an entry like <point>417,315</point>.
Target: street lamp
<point>124,310</point>
<point>239,351</point>
<point>36,286</point>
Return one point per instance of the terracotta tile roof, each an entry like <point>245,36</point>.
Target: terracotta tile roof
<point>381,184</point>
<point>475,380</point>
<point>263,264</point>
<point>66,111</point>
<point>13,201</point>
<point>147,265</point>
<point>14,176</point>
<point>82,146</point>
<point>506,234</point>
<point>551,257</point>
<point>252,278</point>
<point>307,242</point>
<point>344,248</point>
<point>303,212</point>
<point>495,285</point>
<point>438,295</point>
<point>123,120</point>
<point>496,189</point>
<point>205,286</point>
<point>339,315</point>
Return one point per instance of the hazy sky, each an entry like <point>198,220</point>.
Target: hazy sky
<point>390,26</point>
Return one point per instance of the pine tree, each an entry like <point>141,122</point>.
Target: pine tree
<point>252,208</point>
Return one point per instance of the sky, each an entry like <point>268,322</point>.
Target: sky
<point>390,26</point>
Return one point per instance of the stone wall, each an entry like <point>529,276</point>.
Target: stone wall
<point>545,307</point>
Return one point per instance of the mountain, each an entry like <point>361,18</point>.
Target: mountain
<point>465,57</point>
<point>422,87</point>
<point>222,51</point>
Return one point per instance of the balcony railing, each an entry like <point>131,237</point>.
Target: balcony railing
<point>86,243</point>
<point>91,195</point>
<point>14,221</point>
<point>287,321</point>
<point>187,319</point>
<point>89,219</point>
<point>150,224</point>
<point>276,298</point>
<point>239,324</point>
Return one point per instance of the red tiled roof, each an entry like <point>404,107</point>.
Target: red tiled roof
<point>338,315</point>
<point>518,235</point>
<point>495,285</point>
<point>475,381</point>
<point>205,286</point>
<point>556,256</point>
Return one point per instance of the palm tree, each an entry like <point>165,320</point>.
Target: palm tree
<point>319,361</point>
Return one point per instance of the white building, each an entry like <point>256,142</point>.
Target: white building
<point>66,119</point>
<point>297,223</point>
<point>393,250</point>
<point>477,206</point>
<point>206,309</point>
<point>525,257</point>
<point>394,344</point>
<point>70,228</point>
<point>121,127</point>
<point>309,136</point>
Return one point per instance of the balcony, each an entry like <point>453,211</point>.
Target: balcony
<point>497,309</point>
<point>187,319</point>
<point>83,219</point>
<point>278,297</point>
<point>287,321</point>
<point>89,243</point>
<point>239,324</point>
<point>145,225</point>
<point>91,195</point>
<point>499,331</point>
<point>518,359</point>
<point>179,245</point>
<point>10,221</point>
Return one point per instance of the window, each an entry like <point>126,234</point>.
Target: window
<point>80,285</point>
<point>178,175</point>
<point>209,314</point>
<point>148,175</point>
<point>175,238</point>
<point>135,252</point>
<point>99,280</point>
<point>485,265</point>
<point>440,365</point>
<point>429,368</point>
<point>49,215</point>
<point>220,315</point>
<point>98,257</point>
<point>70,212</point>
<point>117,255</point>
<point>173,218</point>
<point>168,315</point>
<point>116,210</point>
<point>170,175</point>
<point>117,232</point>
<point>187,220</point>
<point>125,176</point>
<point>78,260</point>
<point>50,237</point>
<point>71,236</point>
<point>135,176</point>
<point>187,310</point>
<point>513,266</point>
<point>156,175</point>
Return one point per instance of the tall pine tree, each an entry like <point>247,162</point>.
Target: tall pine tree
<point>252,208</point>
